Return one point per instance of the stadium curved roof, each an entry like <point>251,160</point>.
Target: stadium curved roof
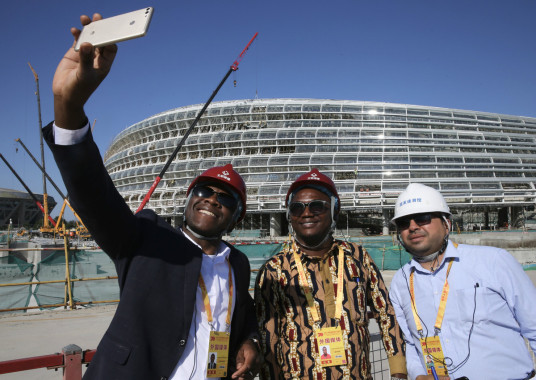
<point>372,151</point>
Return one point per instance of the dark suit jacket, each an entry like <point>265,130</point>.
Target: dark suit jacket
<point>158,270</point>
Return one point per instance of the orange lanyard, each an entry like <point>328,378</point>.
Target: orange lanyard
<point>442,303</point>
<point>206,300</point>
<point>308,291</point>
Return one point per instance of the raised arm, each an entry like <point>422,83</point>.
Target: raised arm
<point>77,76</point>
<point>92,192</point>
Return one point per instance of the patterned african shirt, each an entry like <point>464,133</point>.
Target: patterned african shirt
<point>286,325</point>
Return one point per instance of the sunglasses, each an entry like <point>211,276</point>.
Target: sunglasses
<point>419,219</point>
<point>224,199</point>
<point>315,207</point>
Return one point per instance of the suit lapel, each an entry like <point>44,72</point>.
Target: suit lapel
<point>191,280</point>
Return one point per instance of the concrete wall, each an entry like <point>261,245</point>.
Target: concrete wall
<point>522,245</point>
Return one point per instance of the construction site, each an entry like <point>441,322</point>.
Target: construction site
<point>53,276</point>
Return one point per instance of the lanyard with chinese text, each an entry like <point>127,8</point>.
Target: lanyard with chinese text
<point>206,300</point>
<point>307,290</point>
<point>442,303</point>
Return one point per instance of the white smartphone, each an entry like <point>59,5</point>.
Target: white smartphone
<point>115,29</point>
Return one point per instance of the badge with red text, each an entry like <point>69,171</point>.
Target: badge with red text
<point>218,354</point>
<point>331,346</point>
<point>433,355</point>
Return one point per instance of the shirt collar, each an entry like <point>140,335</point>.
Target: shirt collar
<point>334,249</point>
<point>450,252</point>
<point>223,250</point>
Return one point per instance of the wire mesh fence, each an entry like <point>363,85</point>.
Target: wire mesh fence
<point>39,279</point>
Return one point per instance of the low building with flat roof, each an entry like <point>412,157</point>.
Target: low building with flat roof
<point>20,208</point>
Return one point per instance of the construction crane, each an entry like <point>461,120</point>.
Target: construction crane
<point>81,230</point>
<point>157,180</point>
<point>46,227</point>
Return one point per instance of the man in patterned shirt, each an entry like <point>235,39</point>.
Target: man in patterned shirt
<point>315,293</point>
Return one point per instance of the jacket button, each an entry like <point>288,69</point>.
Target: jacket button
<point>182,342</point>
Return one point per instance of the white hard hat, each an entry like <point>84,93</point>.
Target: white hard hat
<point>419,198</point>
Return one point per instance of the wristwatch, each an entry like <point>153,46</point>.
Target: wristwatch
<point>256,343</point>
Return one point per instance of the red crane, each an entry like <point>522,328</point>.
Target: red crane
<point>157,180</point>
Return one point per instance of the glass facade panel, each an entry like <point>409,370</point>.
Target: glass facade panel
<point>259,161</point>
<point>283,134</point>
<point>267,136</point>
<point>305,148</point>
<point>348,148</point>
<point>352,108</point>
<point>306,134</point>
<point>311,108</point>
<point>368,175</point>
<point>423,174</point>
<point>395,186</point>
<point>293,108</point>
<point>345,159</point>
<point>324,148</point>
<point>278,161</point>
<point>331,108</point>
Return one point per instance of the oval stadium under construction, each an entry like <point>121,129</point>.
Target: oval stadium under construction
<point>483,163</point>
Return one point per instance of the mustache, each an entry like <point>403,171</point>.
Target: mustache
<point>417,234</point>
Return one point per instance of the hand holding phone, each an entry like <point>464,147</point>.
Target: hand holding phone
<point>115,29</point>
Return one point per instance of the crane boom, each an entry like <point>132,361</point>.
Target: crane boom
<point>41,168</point>
<point>45,195</point>
<point>65,199</point>
<point>157,180</point>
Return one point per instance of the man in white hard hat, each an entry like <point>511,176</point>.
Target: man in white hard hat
<point>467,307</point>
<point>312,297</point>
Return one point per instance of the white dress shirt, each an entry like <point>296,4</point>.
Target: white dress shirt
<point>215,272</point>
<point>67,136</point>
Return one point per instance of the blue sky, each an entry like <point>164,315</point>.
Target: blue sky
<point>474,55</point>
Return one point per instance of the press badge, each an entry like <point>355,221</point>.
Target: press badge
<point>433,355</point>
<point>218,354</point>
<point>331,346</point>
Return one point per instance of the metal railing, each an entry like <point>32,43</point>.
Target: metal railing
<point>69,301</point>
<point>70,361</point>
<point>73,358</point>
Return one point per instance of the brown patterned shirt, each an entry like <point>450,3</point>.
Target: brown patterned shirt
<point>287,328</point>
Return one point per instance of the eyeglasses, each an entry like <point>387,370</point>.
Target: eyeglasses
<point>224,199</point>
<point>419,219</point>
<point>315,207</point>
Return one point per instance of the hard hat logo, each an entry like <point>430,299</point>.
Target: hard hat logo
<point>414,200</point>
<point>225,176</point>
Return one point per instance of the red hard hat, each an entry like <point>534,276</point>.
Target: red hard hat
<point>314,177</point>
<point>227,176</point>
